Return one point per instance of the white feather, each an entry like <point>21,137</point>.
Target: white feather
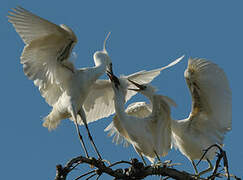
<point>211,113</point>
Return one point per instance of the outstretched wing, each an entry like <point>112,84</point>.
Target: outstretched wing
<point>137,109</point>
<point>211,112</point>
<point>99,103</point>
<point>45,56</point>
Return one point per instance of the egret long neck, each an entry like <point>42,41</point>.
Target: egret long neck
<point>119,101</point>
<point>96,71</point>
<point>152,100</point>
<point>155,105</point>
<point>159,106</point>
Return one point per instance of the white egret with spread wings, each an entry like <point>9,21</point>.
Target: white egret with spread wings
<point>45,60</point>
<point>146,127</point>
<point>211,112</point>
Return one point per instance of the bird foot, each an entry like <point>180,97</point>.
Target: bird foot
<point>157,164</point>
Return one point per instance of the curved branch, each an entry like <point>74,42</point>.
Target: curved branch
<point>135,171</point>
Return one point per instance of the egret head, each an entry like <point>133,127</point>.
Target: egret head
<point>102,57</point>
<point>119,84</point>
<point>144,89</point>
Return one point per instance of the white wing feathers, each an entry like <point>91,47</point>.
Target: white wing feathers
<point>148,76</point>
<point>45,57</point>
<point>99,103</point>
<point>211,98</point>
<point>137,109</point>
<point>31,27</point>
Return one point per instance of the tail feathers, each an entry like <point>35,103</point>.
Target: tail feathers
<point>51,122</point>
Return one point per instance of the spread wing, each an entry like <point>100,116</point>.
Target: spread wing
<point>99,103</point>
<point>137,109</point>
<point>211,112</point>
<point>45,56</point>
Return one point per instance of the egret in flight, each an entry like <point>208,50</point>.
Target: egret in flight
<point>45,60</point>
<point>146,127</point>
<point>211,112</point>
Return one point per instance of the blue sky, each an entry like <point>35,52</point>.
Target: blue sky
<point>145,35</point>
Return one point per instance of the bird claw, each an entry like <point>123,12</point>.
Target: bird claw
<point>157,164</point>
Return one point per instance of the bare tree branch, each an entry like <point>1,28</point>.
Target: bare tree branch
<point>137,170</point>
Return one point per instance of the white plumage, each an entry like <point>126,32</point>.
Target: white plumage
<point>146,127</point>
<point>211,113</point>
<point>45,60</point>
<point>73,93</point>
<point>208,122</point>
<point>101,93</point>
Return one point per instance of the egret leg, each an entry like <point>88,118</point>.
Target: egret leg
<point>157,157</point>
<point>83,118</point>
<point>210,168</point>
<point>144,162</point>
<point>195,167</point>
<point>80,136</point>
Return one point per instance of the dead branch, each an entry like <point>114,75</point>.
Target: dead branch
<point>137,170</point>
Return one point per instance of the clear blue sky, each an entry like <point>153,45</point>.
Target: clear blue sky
<point>145,35</point>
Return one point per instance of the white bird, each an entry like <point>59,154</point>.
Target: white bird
<point>146,128</point>
<point>211,114</point>
<point>209,120</point>
<point>45,60</point>
<point>73,93</point>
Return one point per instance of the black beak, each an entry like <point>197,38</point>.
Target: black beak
<point>140,87</point>
<point>110,68</point>
<point>113,78</point>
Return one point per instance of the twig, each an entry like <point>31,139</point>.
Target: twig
<point>138,171</point>
<point>85,174</point>
<point>98,176</point>
<point>120,162</point>
<point>221,155</point>
<point>91,176</point>
<point>135,171</point>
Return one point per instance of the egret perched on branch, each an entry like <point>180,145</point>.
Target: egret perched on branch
<point>211,113</point>
<point>146,128</point>
<point>45,60</point>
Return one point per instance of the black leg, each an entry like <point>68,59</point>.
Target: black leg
<point>83,118</point>
<point>81,138</point>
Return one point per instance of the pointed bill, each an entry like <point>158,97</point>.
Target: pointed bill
<point>139,86</point>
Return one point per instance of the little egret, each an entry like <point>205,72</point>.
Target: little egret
<point>45,60</point>
<point>146,128</point>
<point>211,113</point>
